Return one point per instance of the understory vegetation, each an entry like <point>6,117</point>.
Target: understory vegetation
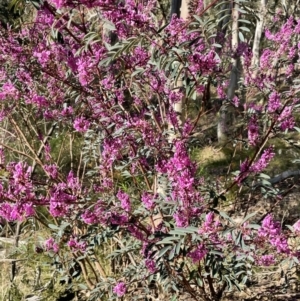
<point>149,150</point>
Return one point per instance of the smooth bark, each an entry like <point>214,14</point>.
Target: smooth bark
<point>225,113</point>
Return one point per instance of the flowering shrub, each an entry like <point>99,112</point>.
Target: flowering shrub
<point>106,153</point>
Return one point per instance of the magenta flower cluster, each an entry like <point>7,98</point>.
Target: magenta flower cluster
<point>120,289</point>
<point>51,245</point>
<point>271,231</point>
<point>198,254</point>
<point>75,245</point>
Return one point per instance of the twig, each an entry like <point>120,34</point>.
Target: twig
<point>12,260</point>
<point>123,246</point>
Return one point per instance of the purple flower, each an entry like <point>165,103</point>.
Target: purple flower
<point>180,219</point>
<point>147,200</point>
<point>286,119</point>
<point>125,202</point>
<point>13,212</point>
<point>198,254</point>
<point>68,111</point>
<point>289,70</point>
<point>52,170</point>
<point>244,166</point>
<point>220,92</point>
<point>40,101</point>
<point>83,65</point>
<point>28,209</point>
<point>281,244</point>
<point>81,124</point>
<point>264,160</point>
<point>274,102</point>
<point>265,58</point>
<point>236,101</point>
<point>118,219</point>
<point>297,227</point>
<point>150,265</point>
<point>135,232</point>
<point>76,245</point>
<point>253,130</point>
<point>8,90</point>
<point>244,172</point>
<point>269,227</point>
<point>58,3</point>
<point>51,245</point>
<point>287,124</point>
<point>120,289</point>
<point>208,225</point>
<point>73,182</point>
<point>266,260</point>
<point>43,56</point>
<point>10,212</point>
<point>89,217</point>
<point>271,230</point>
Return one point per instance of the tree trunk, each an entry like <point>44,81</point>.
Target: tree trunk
<point>225,114</point>
<point>257,37</point>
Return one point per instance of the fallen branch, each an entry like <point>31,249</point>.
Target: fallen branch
<point>12,260</point>
<point>284,175</point>
<point>279,178</point>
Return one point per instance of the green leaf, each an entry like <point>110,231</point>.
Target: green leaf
<point>216,252</point>
<point>263,175</point>
<point>178,246</point>
<point>241,257</point>
<point>248,217</point>
<point>109,25</point>
<point>239,265</point>
<point>266,183</point>
<point>244,28</point>
<point>172,254</point>
<point>253,226</point>
<point>236,285</point>
<point>244,21</point>
<point>297,129</point>
<point>199,282</point>
<point>241,36</point>
<point>217,45</point>
<point>223,17</point>
<point>163,251</point>
<point>225,216</point>
<point>250,258</point>
<point>168,240</point>
<point>182,231</point>
<point>138,71</point>
<point>238,238</point>
<point>228,282</point>
<point>241,11</point>
<point>198,19</point>
<point>36,4</point>
<point>54,227</point>
<point>290,227</point>
<point>192,229</point>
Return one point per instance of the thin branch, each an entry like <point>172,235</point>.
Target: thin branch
<point>123,246</point>
<point>16,151</point>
